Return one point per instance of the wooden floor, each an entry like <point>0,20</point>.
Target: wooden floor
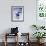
<point>13,44</point>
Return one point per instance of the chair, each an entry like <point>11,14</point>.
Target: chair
<point>25,43</point>
<point>14,32</point>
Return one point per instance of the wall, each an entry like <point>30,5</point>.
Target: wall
<point>29,15</point>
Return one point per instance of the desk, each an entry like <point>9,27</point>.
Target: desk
<point>17,43</point>
<point>8,34</point>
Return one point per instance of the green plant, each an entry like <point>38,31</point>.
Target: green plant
<point>39,35</point>
<point>35,26</point>
<point>42,27</point>
<point>38,27</point>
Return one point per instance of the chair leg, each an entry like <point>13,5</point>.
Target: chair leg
<point>17,41</point>
<point>5,40</point>
<point>5,43</point>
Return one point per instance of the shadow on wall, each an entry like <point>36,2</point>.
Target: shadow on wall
<point>8,30</point>
<point>32,30</point>
<point>3,33</point>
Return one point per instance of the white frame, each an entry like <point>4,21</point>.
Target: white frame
<point>14,17</point>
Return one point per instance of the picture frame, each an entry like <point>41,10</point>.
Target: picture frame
<point>17,13</point>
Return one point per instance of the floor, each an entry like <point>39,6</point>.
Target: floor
<point>13,44</point>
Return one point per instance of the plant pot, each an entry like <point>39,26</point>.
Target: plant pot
<point>38,40</point>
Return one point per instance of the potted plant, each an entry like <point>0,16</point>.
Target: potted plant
<point>39,35</point>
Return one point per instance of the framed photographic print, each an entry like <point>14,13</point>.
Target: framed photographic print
<point>17,13</point>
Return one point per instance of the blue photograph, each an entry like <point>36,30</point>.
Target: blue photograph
<point>17,13</point>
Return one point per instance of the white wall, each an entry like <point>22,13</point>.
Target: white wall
<point>29,15</point>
